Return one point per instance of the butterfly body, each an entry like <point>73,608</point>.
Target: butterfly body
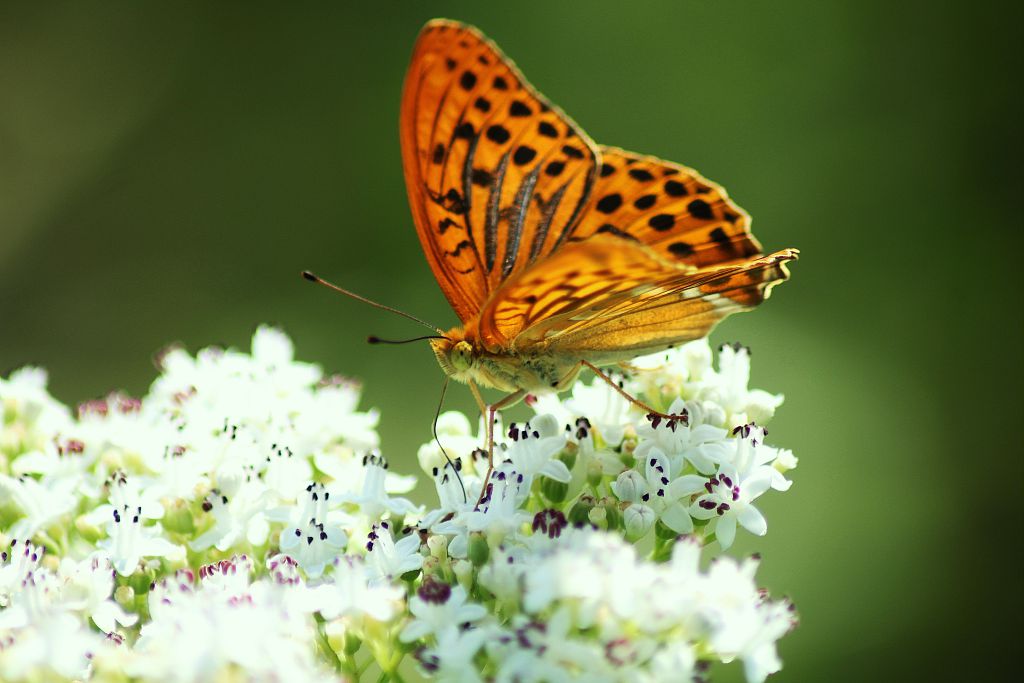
<point>536,372</point>
<point>556,252</point>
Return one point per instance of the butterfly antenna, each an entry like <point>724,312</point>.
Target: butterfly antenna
<point>373,339</point>
<point>437,415</point>
<point>330,285</point>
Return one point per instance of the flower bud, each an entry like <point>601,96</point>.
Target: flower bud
<point>178,518</point>
<point>613,514</point>
<point>352,642</point>
<point>638,520</point>
<point>598,516</point>
<point>568,454</point>
<point>432,566</point>
<point>141,580</point>
<point>89,532</point>
<point>479,551</point>
<point>554,491</point>
<point>464,573</point>
<point>579,513</point>
<point>629,486</point>
<point>438,546</point>
<point>125,596</point>
<point>595,473</point>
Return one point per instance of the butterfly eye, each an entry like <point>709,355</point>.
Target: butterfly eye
<point>462,356</point>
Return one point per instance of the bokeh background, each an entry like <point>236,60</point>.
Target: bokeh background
<point>166,170</point>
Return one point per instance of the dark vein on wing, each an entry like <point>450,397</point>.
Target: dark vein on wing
<point>515,229</point>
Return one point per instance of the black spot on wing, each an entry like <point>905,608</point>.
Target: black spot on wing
<point>547,130</point>
<point>718,235</point>
<point>700,209</point>
<point>519,110</point>
<point>498,134</point>
<point>674,188</point>
<point>645,202</point>
<point>609,203</point>
<point>467,80</point>
<point>662,222</point>
<point>524,154</point>
<point>681,249</point>
<point>481,177</point>
<point>640,174</point>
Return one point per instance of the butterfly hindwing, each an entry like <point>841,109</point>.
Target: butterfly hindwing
<point>591,295</point>
<point>497,176</point>
<point>668,207</point>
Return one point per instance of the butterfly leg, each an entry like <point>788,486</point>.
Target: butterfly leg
<point>479,399</point>
<point>492,410</point>
<point>625,394</point>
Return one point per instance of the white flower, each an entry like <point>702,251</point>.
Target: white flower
<point>242,516</point>
<point>454,493</point>
<point>389,559</point>
<point>330,417</point>
<point>730,499</point>
<point>680,441</point>
<point>353,591</point>
<point>548,652</point>
<point>31,417</point>
<point>498,515</point>
<point>669,499</point>
<point>532,452</point>
<point>21,559</point>
<point>124,494</point>
<point>747,454</point>
<point>372,499</point>
<point>456,437</point>
<point>54,642</point>
<point>315,538</point>
<point>437,607</point>
<point>729,388</point>
<point>88,587</point>
<point>451,660</point>
<point>212,634</point>
<point>44,502</point>
<point>605,408</point>
<point>130,541</point>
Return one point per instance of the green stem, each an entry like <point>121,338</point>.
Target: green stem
<point>325,647</point>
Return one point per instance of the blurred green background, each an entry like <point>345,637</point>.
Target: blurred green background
<point>167,170</point>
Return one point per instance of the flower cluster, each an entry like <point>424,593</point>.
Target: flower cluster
<point>239,520</point>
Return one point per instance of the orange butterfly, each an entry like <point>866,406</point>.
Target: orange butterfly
<point>557,253</point>
<point>554,252</point>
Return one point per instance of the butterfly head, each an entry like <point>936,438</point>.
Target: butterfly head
<point>455,356</point>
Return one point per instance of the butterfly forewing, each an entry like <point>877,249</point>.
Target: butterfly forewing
<point>497,176</point>
<point>669,207</point>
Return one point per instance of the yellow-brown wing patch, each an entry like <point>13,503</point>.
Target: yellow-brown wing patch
<point>496,175</point>
<point>670,208</point>
<point>677,310</point>
<point>586,289</point>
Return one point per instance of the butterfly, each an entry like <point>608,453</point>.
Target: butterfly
<point>557,253</point>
